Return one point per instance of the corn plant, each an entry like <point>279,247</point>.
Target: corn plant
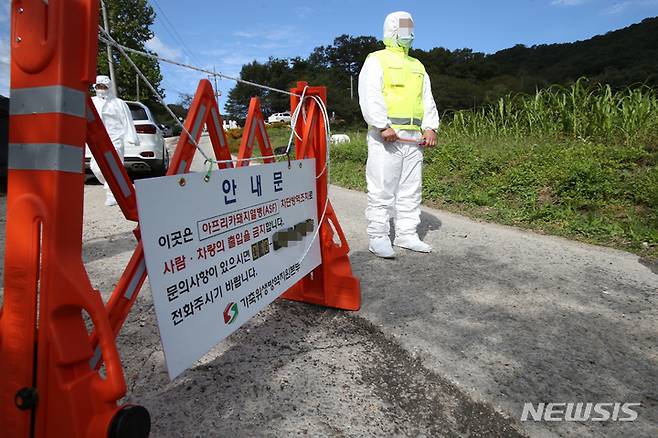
<point>579,111</point>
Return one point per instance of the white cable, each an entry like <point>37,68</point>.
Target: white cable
<point>192,67</point>
<point>323,111</point>
<point>173,116</point>
<point>151,55</point>
<point>293,120</point>
<point>325,116</point>
<point>299,110</point>
<point>154,91</point>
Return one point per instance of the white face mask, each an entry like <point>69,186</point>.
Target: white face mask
<point>101,93</point>
<point>405,42</point>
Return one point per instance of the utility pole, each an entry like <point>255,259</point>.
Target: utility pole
<point>351,87</point>
<point>137,79</point>
<point>109,49</point>
<point>217,93</point>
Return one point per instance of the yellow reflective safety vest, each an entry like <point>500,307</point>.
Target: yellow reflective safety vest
<point>403,88</point>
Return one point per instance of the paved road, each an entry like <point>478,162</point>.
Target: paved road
<point>511,317</point>
<point>447,344</point>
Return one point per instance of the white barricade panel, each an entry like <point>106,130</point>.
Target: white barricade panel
<point>217,252</point>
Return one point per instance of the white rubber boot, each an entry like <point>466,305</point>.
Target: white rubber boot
<point>412,242</point>
<point>381,247</point>
<point>110,201</point>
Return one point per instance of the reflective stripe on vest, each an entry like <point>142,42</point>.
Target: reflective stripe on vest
<point>44,100</point>
<point>404,77</point>
<point>406,122</point>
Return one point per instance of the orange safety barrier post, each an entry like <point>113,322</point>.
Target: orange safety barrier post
<point>255,126</point>
<point>46,385</point>
<point>332,283</point>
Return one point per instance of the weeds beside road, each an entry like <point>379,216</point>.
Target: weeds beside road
<point>580,162</point>
<point>584,190</point>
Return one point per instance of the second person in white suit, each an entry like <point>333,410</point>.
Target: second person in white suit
<point>119,125</point>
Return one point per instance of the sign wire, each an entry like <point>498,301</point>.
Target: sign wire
<point>300,109</point>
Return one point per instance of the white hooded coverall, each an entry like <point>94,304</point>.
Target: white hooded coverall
<point>119,125</point>
<point>393,169</point>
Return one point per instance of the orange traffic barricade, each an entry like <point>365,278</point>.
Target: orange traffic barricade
<point>254,131</point>
<point>51,383</point>
<point>47,387</point>
<point>332,283</point>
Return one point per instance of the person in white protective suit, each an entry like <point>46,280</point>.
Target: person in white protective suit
<point>118,123</point>
<point>397,103</point>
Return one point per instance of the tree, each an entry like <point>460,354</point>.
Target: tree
<point>462,78</point>
<point>330,65</point>
<point>276,73</point>
<point>185,101</point>
<point>130,25</point>
<point>346,55</point>
<point>179,110</point>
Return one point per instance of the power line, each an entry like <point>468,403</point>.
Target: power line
<point>299,110</point>
<point>173,32</point>
<point>191,67</point>
<point>169,85</point>
<point>107,38</point>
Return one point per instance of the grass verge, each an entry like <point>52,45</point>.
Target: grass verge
<point>580,189</point>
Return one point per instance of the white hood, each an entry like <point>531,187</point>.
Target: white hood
<point>104,80</point>
<point>392,27</point>
<point>115,113</point>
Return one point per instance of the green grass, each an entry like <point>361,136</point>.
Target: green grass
<point>278,134</point>
<point>576,188</point>
<point>577,162</point>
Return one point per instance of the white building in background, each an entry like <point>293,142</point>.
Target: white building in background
<point>232,124</point>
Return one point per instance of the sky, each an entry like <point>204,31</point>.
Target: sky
<point>225,35</point>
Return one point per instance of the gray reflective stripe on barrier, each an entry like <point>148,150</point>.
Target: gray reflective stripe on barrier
<point>43,100</point>
<point>132,286</point>
<point>197,122</point>
<point>251,134</point>
<point>95,358</point>
<point>215,120</point>
<point>45,156</point>
<point>181,167</point>
<point>90,115</point>
<point>266,140</point>
<point>405,122</point>
<point>114,167</point>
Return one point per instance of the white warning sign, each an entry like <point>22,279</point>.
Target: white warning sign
<point>218,251</point>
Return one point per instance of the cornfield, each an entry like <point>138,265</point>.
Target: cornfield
<point>578,111</point>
